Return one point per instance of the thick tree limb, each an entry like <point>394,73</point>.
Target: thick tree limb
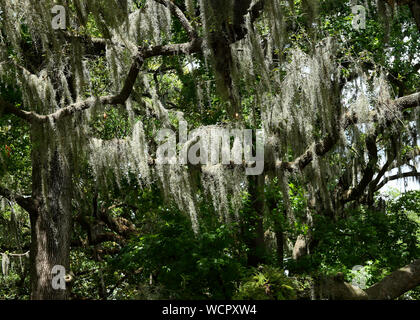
<point>119,99</point>
<point>397,283</point>
<point>381,173</point>
<point>335,288</point>
<point>121,229</point>
<point>121,226</point>
<point>13,249</point>
<point>411,155</point>
<point>410,101</point>
<point>92,45</point>
<point>415,10</point>
<point>368,172</point>
<point>194,46</point>
<point>321,148</point>
<point>26,254</point>
<point>94,237</point>
<point>26,203</point>
<point>391,287</point>
<point>8,108</point>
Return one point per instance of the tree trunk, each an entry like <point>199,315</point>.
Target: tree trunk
<point>50,224</point>
<point>278,228</point>
<point>300,247</point>
<point>257,245</point>
<point>415,10</point>
<point>280,246</point>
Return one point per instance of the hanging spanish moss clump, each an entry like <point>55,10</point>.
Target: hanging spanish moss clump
<point>114,160</point>
<point>276,23</point>
<point>178,187</point>
<point>43,81</point>
<point>200,161</point>
<point>385,110</point>
<point>224,184</point>
<point>309,88</point>
<point>5,263</point>
<point>190,6</point>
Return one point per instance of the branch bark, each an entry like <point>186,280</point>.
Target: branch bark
<point>325,145</point>
<point>396,177</point>
<point>410,101</point>
<point>397,283</point>
<point>177,12</point>
<point>8,108</point>
<point>119,99</point>
<point>368,172</point>
<point>26,203</point>
<point>415,10</point>
<point>391,287</point>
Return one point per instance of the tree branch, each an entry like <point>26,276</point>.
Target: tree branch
<point>321,148</point>
<point>119,99</point>
<point>397,283</point>
<point>95,46</point>
<point>396,177</point>
<point>26,203</point>
<point>410,101</point>
<point>14,249</point>
<point>8,108</point>
<point>177,12</point>
<point>26,254</point>
<point>121,226</point>
<point>193,46</point>
<point>368,172</point>
<point>325,145</point>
